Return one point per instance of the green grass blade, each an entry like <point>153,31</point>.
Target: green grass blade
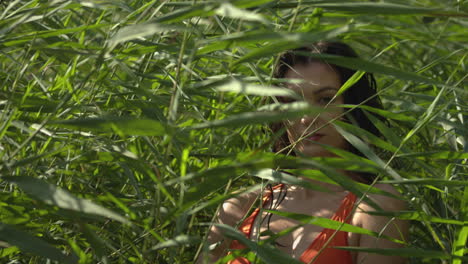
<point>367,151</point>
<point>48,34</point>
<point>294,41</point>
<point>295,110</point>
<point>139,31</point>
<point>183,13</point>
<point>264,252</point>
<point>319,176</point>
<point>368,66</point>
<point>120,125</point>
<point>330,224</point>
<point>236,86</point>
<point>447,155</point>
<point>418,216</point>
<point>342,180</point>
<point>32,244</point>
<point>376,8</point>
<point>459,245</point>
<point>364,7</point>
<point>405,252</point>
<point>430,181</point>
<point>229,10</point>
<point>178,241</point>
<point>279,177</point>
<point>53,195</point>
<point>98,245</point>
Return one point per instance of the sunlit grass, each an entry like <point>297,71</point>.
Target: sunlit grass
<point>122,129</point>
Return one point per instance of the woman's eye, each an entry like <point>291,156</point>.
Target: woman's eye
<point>286,100</point>
<point>325,100</point>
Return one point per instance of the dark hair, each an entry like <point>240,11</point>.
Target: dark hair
<point>363,92</point>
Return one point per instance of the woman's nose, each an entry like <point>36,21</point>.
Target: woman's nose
<point>312,121</point>
<point>307,120</point>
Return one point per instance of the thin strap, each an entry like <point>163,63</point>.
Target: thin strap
<point>345,209</point>
<point>246,226</point>
<point>341,215</point>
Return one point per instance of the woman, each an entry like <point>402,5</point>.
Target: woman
<point>310,243</point>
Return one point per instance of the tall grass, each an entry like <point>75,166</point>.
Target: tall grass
<point>124,124</point>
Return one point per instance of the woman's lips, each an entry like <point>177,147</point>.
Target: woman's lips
<point>315,137</point>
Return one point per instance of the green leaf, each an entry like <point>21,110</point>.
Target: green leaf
<point>330,224</point>
<point>341,179</point>
<point>31,244</point>
<point>428,181</point>
<point>48,33</point>
<point>29,160</point>
<point>367,151</point>
<point>372,67</point>
<point>178,241</point>
<point>53,195</point>
<point>211,180</point>
<point>447,155</point>
<point>320,176</point>
<point>250,3</point>
<point>218,199</point>
<point>294,110</point>
<point>120,125</point>
<point>180,14</point>
<point>459,245</point>
<point>279,177</point>
<point>141,30</point>
<point>383,113</point>
<point>237,86</point>
<point>292,41</point>
<point>243,38</point>
<point>405,252</point>
<point>97,244</point>
<point>418,216</point>
<point>368,135</point>
<point>350,82</point>
<point>265,253</point>
<point>388,133</point>
<point>372,8</point>
<point>229,10</point>
<point>214,179</point>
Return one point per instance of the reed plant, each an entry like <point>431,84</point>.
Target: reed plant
<point>125,124</point>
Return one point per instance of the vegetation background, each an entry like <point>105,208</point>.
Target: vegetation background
<point>125,124</point>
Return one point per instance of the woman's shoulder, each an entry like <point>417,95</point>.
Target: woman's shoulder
<point>383,224</point>
<point>393,201</point>
<point>235,208</point>
<point>390,202</point>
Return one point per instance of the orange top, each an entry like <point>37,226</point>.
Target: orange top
<point>328,255</point>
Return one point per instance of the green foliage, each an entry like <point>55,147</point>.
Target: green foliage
<point>124,124</point>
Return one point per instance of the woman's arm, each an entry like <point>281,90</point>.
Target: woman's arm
<point>230,213</point>
<point>386,226</point>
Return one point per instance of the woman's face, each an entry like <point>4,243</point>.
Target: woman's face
<point>320,85</point>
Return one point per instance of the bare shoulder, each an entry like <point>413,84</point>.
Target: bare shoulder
<point>378,223</point>
<point>230,213</point>
<point>383,225</point>
<point>386,202</point>
<point>389,203</point>
<point>235,208</point>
